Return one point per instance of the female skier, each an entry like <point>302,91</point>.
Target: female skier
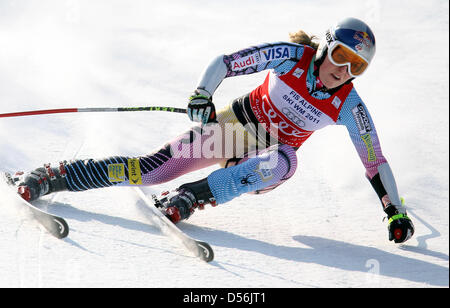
<point>255,138</point>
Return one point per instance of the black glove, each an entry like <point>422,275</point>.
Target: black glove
<point>201,108</point>
<point>400,226</point>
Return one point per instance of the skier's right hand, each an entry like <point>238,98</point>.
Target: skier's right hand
<point>201,108</point>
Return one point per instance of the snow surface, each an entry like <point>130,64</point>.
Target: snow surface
<point>322,228</point>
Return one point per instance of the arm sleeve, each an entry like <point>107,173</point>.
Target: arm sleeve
<point>356,117</point>
<point>280,56</point>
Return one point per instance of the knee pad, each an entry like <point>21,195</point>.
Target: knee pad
<point>291,157</point>
<point>257,174</point>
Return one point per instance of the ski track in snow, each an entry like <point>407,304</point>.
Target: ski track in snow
<point>322,228</point>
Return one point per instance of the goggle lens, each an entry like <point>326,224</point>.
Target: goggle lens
<point>342,55</point>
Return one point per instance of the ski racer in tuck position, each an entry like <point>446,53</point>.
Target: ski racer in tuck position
<point>308,86</point>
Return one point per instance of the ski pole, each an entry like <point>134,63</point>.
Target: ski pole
<point>73,110</point>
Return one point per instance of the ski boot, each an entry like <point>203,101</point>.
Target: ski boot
<point>40,182</point>
<point>181,203</point>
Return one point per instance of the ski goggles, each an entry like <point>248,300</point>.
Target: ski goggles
<point>340,54</point>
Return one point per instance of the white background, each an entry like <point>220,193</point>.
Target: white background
<point>322,228</point>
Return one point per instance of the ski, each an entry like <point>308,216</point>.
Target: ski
<point>200,249</point>
<point>55,225</point>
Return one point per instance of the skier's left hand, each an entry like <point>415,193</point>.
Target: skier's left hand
<point>400,226</point>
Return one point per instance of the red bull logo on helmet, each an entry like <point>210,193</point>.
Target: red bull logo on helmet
<point>363,37</point>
